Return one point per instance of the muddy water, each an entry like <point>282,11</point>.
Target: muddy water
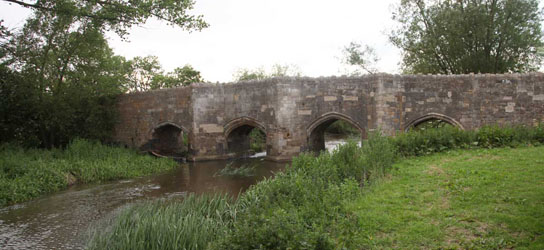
<point>61,220</point>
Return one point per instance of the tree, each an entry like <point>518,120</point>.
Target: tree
<point>277,70</point>
<point>180,76</point>
<point>147,74</point>
<point>59,78</point>
<point>65,78</point>
<point>361,58</point>
<point>119,15</point>
<point>468,36</point>
<point>144,70</point>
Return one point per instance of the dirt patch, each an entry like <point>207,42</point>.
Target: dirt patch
<point>435,170</point>
<point>466,232</point>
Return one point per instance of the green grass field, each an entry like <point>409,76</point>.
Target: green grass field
<point>476,199</point>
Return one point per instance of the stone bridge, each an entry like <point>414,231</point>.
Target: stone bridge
<point>293,112</point>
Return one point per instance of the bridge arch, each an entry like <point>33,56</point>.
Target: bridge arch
<point>237,134</point>
<point>315,132</point>
<point>433,116</point>
<point>169,138</point>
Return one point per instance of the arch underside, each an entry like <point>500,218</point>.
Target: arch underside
<point>237,134</point>
<point>168,139</point>
<point>433,116</point>
<point>316,130</point>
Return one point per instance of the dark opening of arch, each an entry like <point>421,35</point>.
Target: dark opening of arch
<point>246,140</point>
<point>331,132</point>
<point>170,140</point>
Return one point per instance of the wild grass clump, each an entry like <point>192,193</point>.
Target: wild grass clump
<point>190,224</point>
<point>29,173</point>
<point>245,170</point>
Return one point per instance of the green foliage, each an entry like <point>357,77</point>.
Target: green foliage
<point>29,173</point>
<point>59,79</point>
<point>459,37</point>
<point>181,76</point>
<point>257,140</point>
<point>260,73</point>
<point>190,224</point>
<point>147,74</point>
<point>118,15</point>
<point>144,70</point>
<point>362,58</point>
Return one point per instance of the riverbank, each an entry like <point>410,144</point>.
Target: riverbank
<point>29,173</point>
<point>317,202</point>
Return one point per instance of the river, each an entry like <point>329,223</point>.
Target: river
<point>61,220</point>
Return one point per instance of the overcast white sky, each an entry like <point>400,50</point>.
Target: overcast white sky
<point>259,33</point>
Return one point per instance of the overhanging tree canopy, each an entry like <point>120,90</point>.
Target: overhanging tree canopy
<point>120,15</point>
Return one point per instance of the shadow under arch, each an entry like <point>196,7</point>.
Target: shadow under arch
<point>433,116</point>
<point>169,139</point>
<point>237,134</point>
<point>315,132</point>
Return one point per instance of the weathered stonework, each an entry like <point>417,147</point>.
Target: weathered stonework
<point>293,112</point>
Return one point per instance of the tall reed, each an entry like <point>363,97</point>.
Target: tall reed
<point>190,224</point>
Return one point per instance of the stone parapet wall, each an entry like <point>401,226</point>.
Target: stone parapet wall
<point>290,110</point>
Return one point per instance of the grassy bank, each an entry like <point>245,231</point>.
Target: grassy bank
<point>29,173</point>
<point>319,202</point>
<point>475,199</point>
